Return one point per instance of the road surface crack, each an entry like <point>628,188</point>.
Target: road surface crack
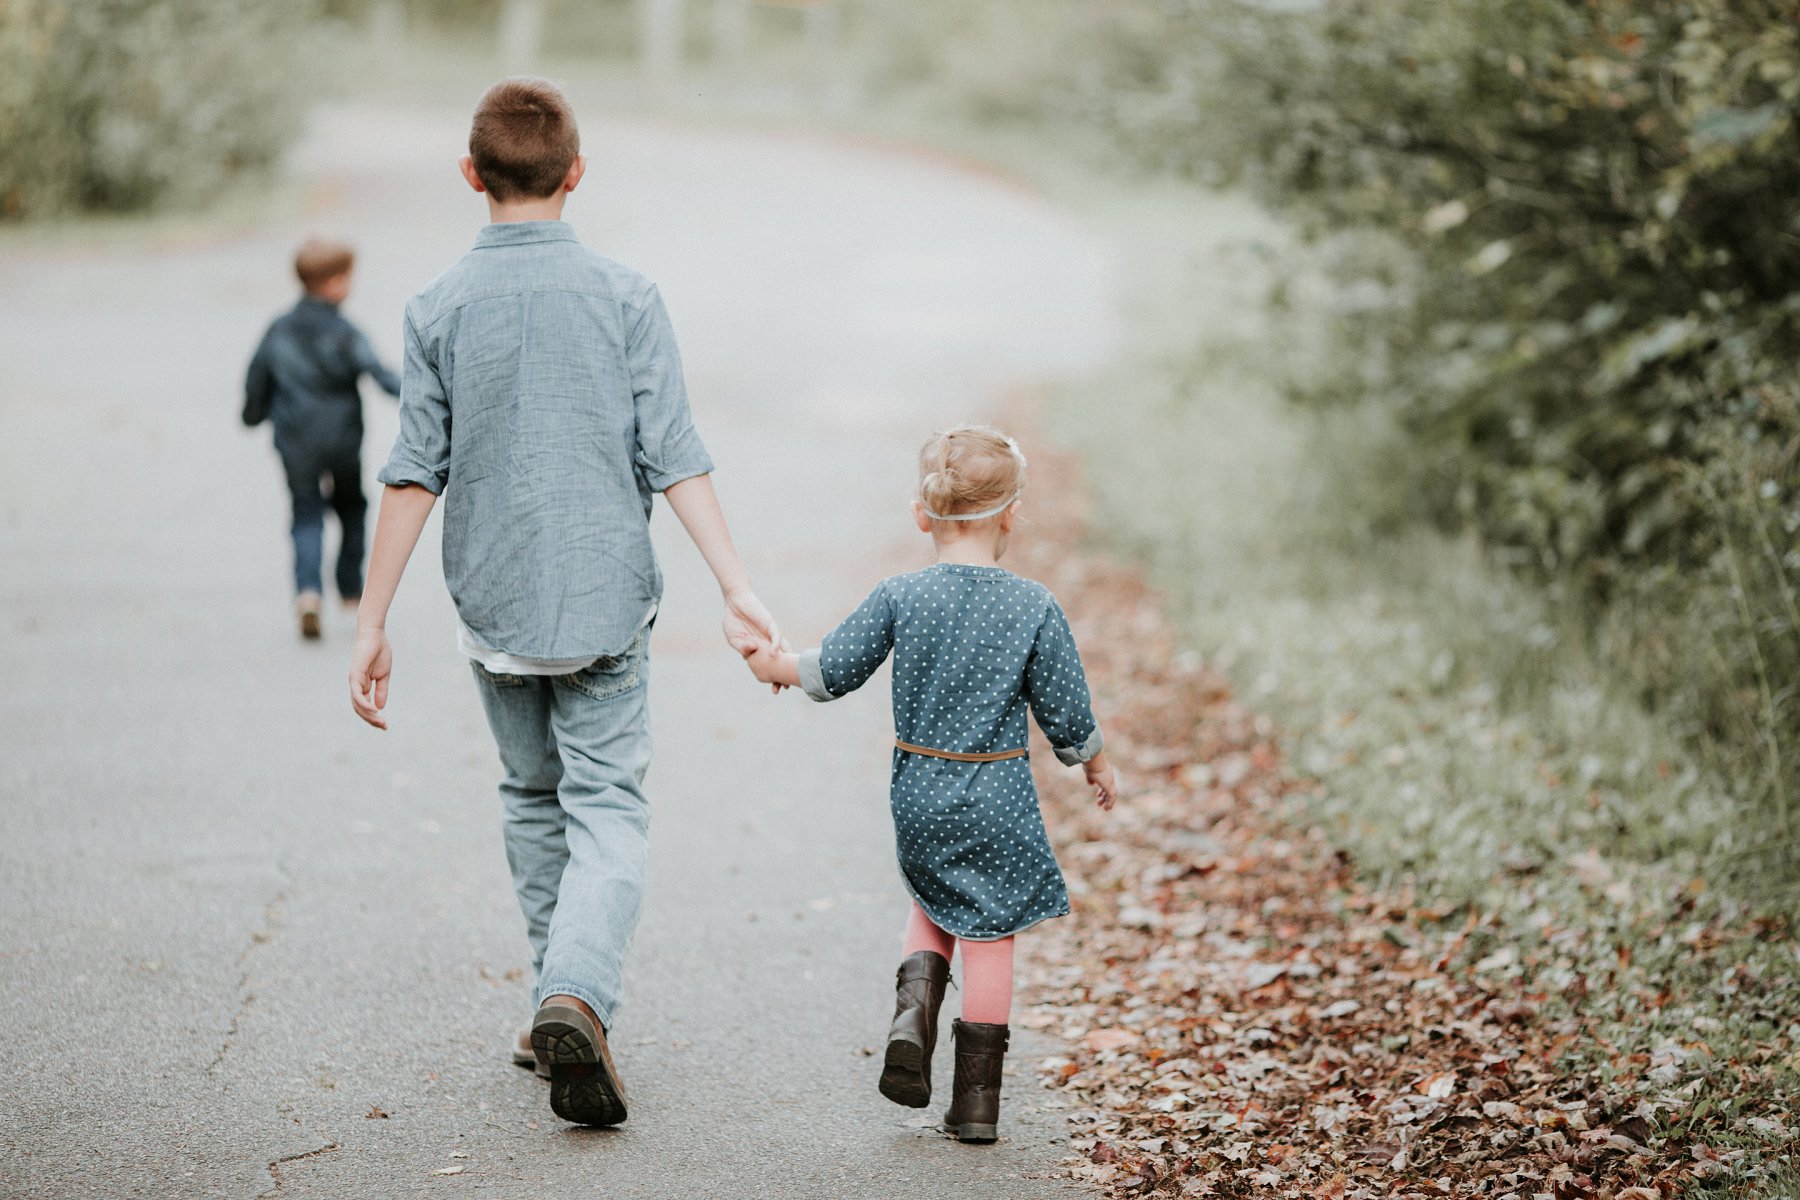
<point>272,916</point>
<point>276,1182</point>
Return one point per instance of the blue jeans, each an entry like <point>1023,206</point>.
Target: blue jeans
<point>576,823</point>
<point>305,470</point>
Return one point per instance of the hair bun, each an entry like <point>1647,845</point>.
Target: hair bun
<point>969,469</point>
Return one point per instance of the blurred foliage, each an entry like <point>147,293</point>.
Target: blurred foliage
<point>117,104</point>
<point>578,28</point>
<point>1577,285</point>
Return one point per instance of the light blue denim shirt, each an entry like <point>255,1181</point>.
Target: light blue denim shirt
<point>542,397</point>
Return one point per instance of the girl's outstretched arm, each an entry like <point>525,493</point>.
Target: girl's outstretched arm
<point>850,653</point>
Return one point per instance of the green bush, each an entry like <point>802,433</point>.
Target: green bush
<point>119,104</point>
<point>1596,360</point>
<point>1581,305</point>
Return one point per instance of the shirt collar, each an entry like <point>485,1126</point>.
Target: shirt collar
<point>519,233</point>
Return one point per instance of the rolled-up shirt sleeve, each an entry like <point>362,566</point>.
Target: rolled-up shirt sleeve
<point>669,449</point>
<point>421,453</point>
<point>812,676</point>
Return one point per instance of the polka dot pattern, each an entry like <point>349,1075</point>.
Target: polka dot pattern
<point>974,648</point>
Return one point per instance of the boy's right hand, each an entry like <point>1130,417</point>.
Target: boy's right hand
<point>371,663</point>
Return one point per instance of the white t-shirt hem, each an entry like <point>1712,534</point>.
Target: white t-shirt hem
<point>498,662</point>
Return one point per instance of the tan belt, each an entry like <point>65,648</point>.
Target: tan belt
<point>953,756</point>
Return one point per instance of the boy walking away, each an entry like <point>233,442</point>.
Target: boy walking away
<point>543,398</point>
<point>303,380</point>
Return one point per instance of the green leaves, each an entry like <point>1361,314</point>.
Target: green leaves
<point>125,104</point>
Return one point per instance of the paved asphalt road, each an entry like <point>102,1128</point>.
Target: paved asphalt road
<point>237,926</point>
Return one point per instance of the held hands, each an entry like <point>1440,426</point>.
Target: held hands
<point>774,665</point>
<point>750,628</point>
<point>1100,777</point>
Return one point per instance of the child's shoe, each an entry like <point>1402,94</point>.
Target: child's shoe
<point>306,605</point>
<point>974,1114</point>
<point>918,994</point>
<point>584,1087</point>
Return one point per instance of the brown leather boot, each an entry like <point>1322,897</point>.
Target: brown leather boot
<point>918,994</point>
<point>974,1114</point>
<point>584,1087</point>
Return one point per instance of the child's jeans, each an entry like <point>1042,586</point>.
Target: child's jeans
<point>305,470</point>
<point>576,823</point>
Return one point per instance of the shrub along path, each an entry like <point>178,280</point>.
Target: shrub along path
<point>1245,1018</point>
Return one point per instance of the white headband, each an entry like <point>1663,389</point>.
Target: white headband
<point>1017,454</point>
<point>980,516</point>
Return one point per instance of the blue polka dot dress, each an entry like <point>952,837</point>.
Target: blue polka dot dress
<point>974,648</point>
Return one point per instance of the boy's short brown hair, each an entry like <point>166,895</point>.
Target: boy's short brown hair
<point>320,261</point>
<point>523,139</point>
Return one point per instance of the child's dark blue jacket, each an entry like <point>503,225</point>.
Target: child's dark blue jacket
<point>303,380</point>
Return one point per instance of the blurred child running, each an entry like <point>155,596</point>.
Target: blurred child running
<point>303,380</point>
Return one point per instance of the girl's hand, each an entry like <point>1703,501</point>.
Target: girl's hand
<point>759,658</point>
<point>774,665</point>
<point>1100,777</point>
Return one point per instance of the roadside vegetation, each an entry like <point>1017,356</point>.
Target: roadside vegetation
<point>133,104</point>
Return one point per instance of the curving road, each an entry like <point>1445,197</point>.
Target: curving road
<point>248,946</point>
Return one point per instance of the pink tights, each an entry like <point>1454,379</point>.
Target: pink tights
<point>987,968</point>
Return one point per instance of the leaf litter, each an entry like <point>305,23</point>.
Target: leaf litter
<point>1244,1016</point>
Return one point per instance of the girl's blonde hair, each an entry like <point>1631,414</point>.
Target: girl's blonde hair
<point>969,469</point>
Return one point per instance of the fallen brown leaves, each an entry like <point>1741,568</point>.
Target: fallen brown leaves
<point>1243,1016</point>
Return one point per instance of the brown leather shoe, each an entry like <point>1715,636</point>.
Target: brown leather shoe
<point>584,1086</point>
<point>974,1114</point>
<point>918,994</point>
<point>524,1056</point>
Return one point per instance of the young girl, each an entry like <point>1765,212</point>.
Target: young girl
<point>973,646</point>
